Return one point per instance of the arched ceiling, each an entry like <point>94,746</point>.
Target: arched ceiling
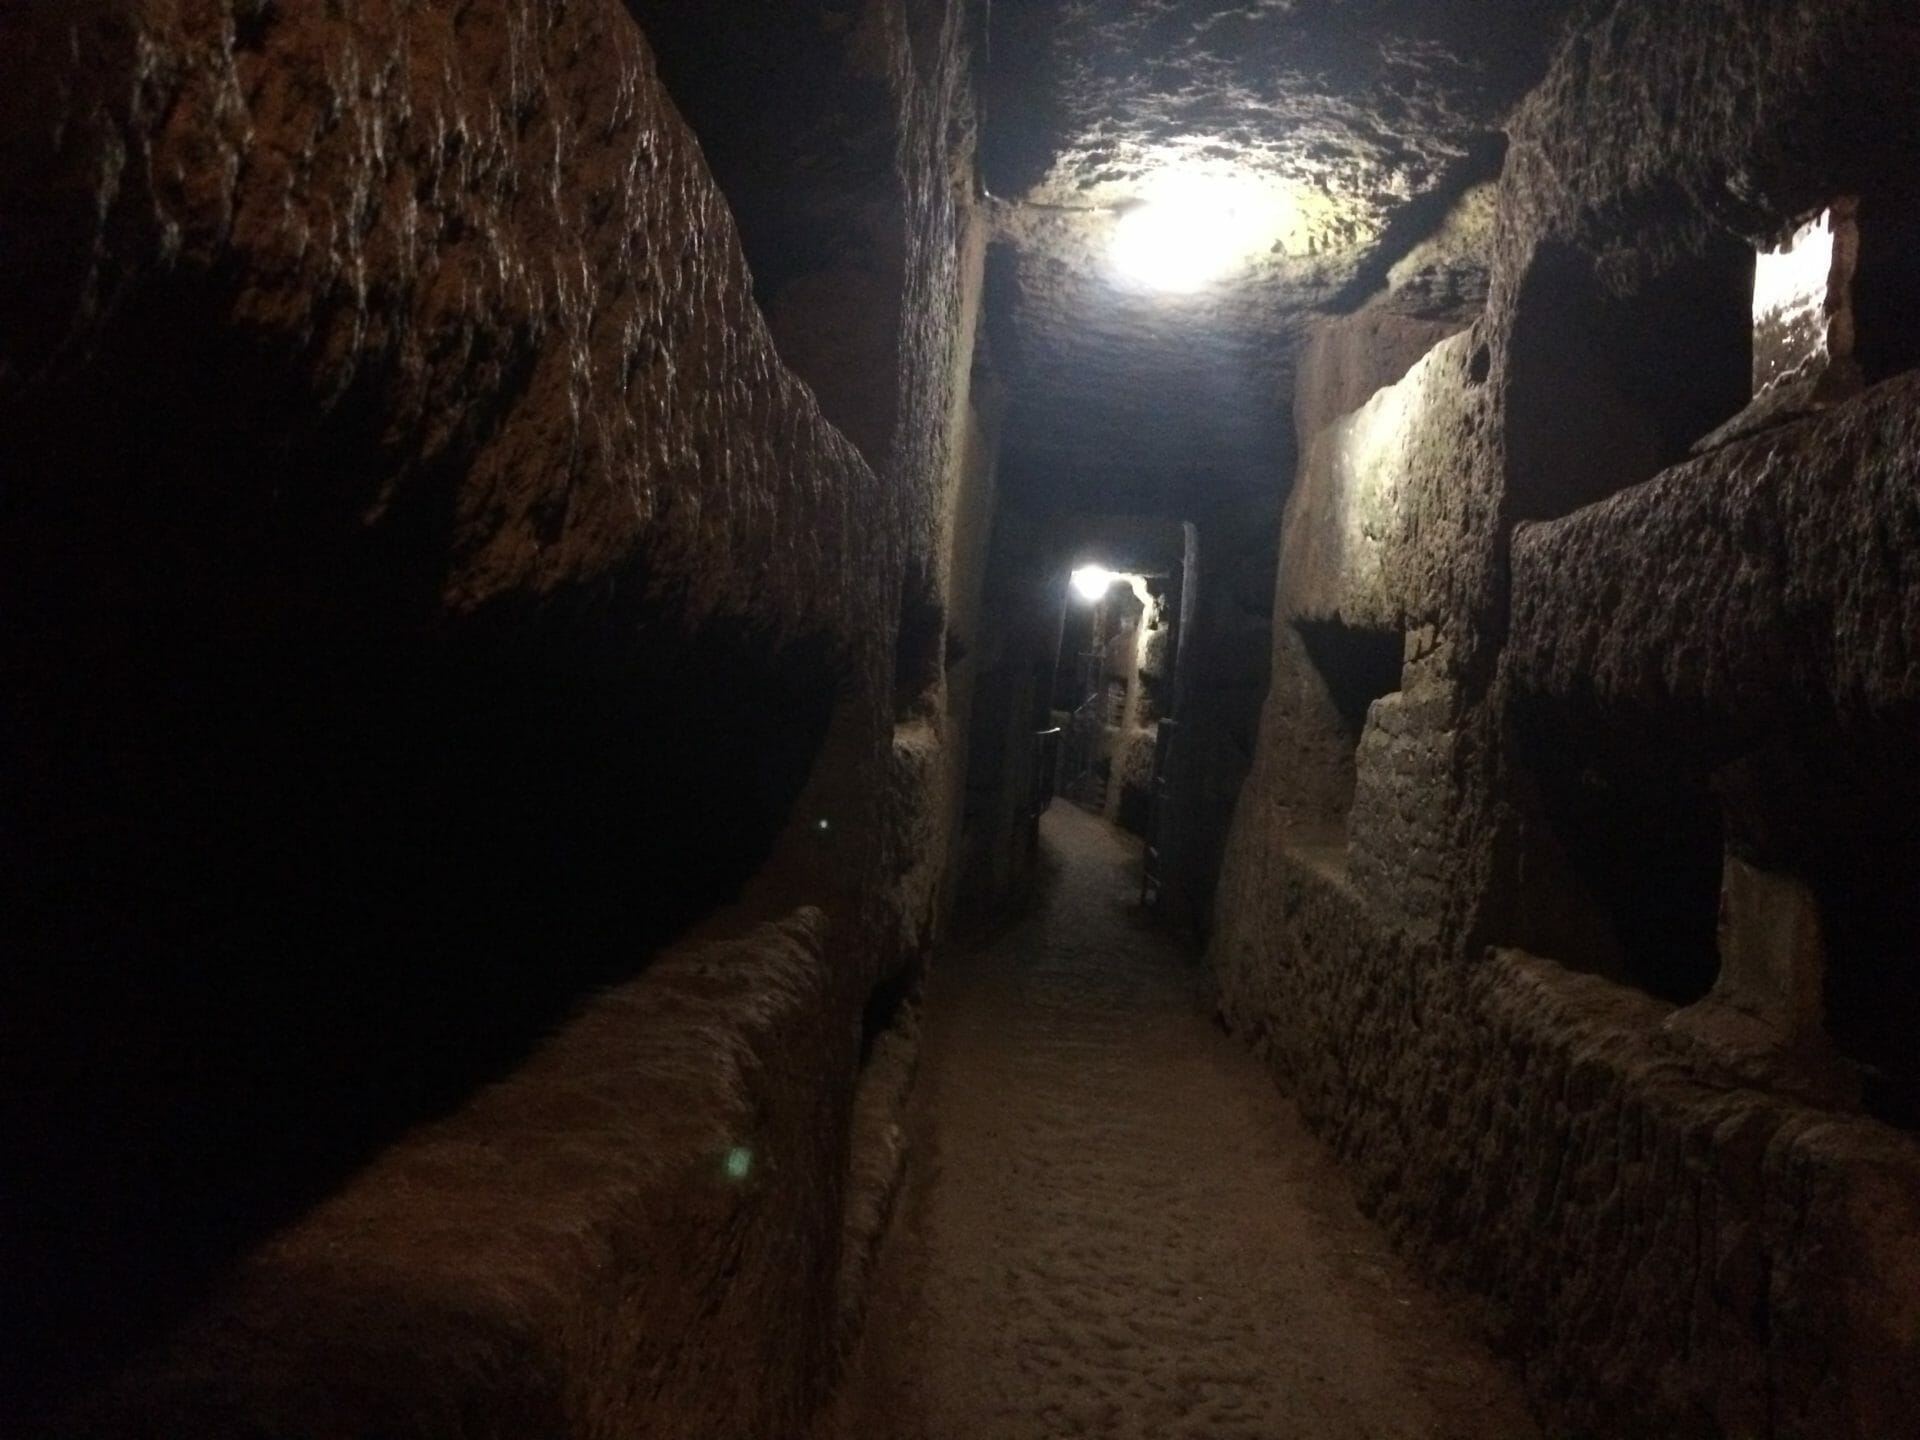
<point>1372,124</point>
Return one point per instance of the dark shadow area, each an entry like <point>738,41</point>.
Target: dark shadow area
<point>1136,810</point>
<point>1607,389</point>
<point>1223,661</point>
<point>1008,762</point>
<point>799,163</point>
<point>1870,908</point>
<point>1835,807</point>
<point>1638,842</point>
<point>1022,97</point>
<point>295,858</point>
<point>1357,667</point>
<point>919,649</point>
<point>1886,289</point>
<point>1070,687</point>
<point>888,1003</point>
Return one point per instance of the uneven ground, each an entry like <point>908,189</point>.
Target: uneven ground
<point>1116,1227</point>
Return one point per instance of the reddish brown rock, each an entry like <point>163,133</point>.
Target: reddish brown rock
<point>429,594</point>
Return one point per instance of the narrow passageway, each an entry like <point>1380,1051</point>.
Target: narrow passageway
<point>1115,1225</point>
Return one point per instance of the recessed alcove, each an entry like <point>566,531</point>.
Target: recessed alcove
<point>1351,667</point>
<point>1836,304</point>
<point>1611,383</point>
<point>889,1004</point>
<point>1855,795</point>
<point>1886,291</point>
<point>1871,908</point>
<point>1624,855</point>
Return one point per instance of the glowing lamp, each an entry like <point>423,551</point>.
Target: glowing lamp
<point>1188,231</point>
<point>1092,581</point>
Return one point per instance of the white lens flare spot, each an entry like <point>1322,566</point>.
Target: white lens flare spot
<point>1092,581</point>
<point>1185,232</point>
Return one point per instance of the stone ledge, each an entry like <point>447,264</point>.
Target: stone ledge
<point>1368,520</point>
<point>1752,1256</point>
<point>1740,585</point>
<point>1663,1252</point>
<point>632,1234</point>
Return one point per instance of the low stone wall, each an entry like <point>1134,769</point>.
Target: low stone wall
<point>635,1234</point>
<point>1761,581</point>
<point>1669,1254</point>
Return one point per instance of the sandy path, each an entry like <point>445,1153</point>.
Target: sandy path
<point>1114,1225</point>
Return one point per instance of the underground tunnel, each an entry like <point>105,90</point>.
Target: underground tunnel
<point>902,719</point>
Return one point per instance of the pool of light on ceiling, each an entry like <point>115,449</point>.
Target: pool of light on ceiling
<point>1186,231</point>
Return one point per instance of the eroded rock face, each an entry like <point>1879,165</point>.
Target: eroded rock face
<point>1815,523</point>
<point>428,594</point>
<point>1638,697</point>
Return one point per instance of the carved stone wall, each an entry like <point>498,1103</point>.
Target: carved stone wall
<point>1513,938</point>
<point>455,820</point>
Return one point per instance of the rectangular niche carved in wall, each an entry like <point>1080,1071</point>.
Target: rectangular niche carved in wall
<point>1623,853</point>
<point>1844,802</point>
<point>1613,382</point>
<point>1835,309</point>
<point>1346,669</point>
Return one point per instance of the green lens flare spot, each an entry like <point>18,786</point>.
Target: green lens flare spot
<point>739,1163</point>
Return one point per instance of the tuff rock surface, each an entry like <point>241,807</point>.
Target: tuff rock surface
<point>1558,708</point>
<point>430,595</point>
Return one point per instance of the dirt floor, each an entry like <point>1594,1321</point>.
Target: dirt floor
<point>1115,1226</point>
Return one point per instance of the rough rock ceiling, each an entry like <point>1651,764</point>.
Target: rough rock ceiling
<point>1368,119</point>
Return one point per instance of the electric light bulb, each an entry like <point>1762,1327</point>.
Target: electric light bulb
<point>1092,581</point>
<point>1187,231</point>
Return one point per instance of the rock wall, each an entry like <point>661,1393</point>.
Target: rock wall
<point>449,656</point>
<point>1221,680</point>
<point>1567,722</point>
<point>1020,627</point>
